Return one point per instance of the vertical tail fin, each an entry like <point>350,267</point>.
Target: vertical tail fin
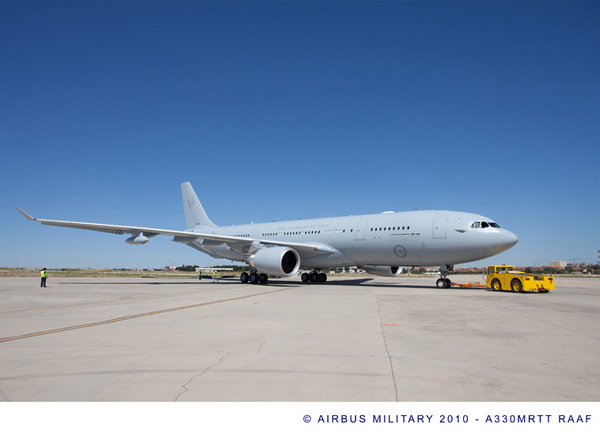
<point>194,212</point>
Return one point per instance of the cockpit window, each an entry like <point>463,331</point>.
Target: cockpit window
<point>484,225</point>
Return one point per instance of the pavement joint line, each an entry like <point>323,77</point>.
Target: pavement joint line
<point>136,316</point>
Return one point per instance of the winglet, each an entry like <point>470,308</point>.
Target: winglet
<point>29,218</point>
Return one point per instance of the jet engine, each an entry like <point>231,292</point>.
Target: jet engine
<point>137,239</point>
<point>277,261</point>
<point>383,270</point>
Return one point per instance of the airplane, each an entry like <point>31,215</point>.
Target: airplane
<point>382,244</point>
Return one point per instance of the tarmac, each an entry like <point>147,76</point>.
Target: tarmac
<point>352,339</point>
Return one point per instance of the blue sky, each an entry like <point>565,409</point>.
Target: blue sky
<point>282,110</point>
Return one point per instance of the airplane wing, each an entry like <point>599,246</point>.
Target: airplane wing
<point>114,229</point>
<point>308,248</point>
<point>180,236</point>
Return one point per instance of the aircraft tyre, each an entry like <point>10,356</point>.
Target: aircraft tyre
<point>254,278</point>
<point>443,283</point>
<point>264,278</point>
<point>314,277</point>
<point>516,285</point>
<point>496,285</point>
<point>244,277</point>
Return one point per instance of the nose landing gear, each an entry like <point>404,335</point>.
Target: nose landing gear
<point>444,281</point>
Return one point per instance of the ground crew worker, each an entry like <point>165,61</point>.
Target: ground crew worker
<point>200,275</point>
<point>44,275</point>
<point>214,274</point>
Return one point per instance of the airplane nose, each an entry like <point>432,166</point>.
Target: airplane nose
<point>509,239</point>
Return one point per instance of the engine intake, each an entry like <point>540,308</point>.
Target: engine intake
<point>383,270</point>
<point>276,261</point>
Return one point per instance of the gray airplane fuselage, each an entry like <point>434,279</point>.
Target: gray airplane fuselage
<point>413,238</point>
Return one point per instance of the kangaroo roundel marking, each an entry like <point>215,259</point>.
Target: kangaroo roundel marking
<point>400,251</point>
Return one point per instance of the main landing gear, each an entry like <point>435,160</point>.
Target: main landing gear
<point>314,276</point>
<point>262,278</point>
<point>254,278</point>
<point>444,281</point>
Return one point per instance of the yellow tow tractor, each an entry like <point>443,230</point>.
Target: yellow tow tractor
<point>505,277</point>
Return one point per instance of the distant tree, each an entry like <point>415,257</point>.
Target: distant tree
<point>185,268</point>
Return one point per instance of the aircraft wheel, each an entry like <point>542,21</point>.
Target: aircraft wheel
<point>322,277</point>
<point>254,278</point>
<point>496,285</point>
<point>314,277</point>
<point>244,277</point>
<point>441,283</point>
<point>305,277</point>
<point>264,278</point>
<point>516,285</point>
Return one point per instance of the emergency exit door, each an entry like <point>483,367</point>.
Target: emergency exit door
<point>361,230</point>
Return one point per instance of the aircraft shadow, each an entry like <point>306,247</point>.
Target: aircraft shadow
<point>352,282</point>
<point>274,283</point>
<point>130,283</point>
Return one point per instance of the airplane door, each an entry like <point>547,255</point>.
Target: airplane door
<point>439,227</point>
<point>361,230</point>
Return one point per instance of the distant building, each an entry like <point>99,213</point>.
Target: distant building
<point>558,263</point>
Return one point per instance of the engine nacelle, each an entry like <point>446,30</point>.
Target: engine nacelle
<point>139,239</point>
<point>276,261</point>
<point>384,270</point>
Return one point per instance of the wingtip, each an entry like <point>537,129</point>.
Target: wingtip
<point>28,217</point>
